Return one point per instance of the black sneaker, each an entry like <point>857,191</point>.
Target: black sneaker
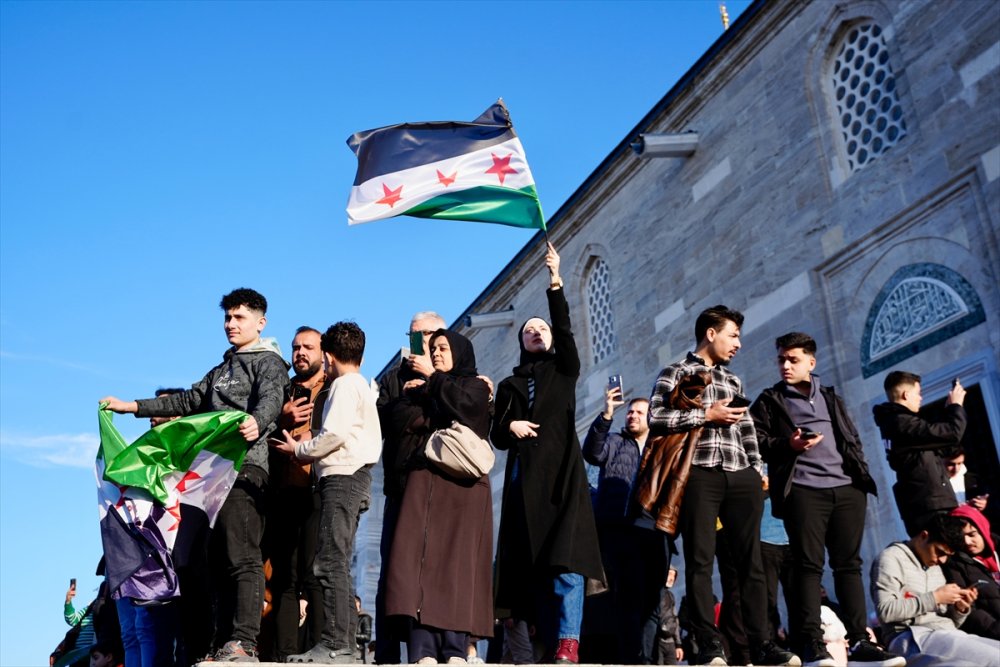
<point>816,655</point>
<point>770,653</point>
<point>711,653</point>
<point>869,654</point>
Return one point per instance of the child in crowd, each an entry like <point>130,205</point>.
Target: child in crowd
<point>343,452</point>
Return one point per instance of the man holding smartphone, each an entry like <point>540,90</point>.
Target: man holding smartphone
<point>818,484</point>
<point>725,483</point>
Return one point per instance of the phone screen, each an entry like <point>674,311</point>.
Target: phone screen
<point>416,342</point>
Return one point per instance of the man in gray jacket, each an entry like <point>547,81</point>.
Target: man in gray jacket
<point>252,378</point>
<point>920,611</point>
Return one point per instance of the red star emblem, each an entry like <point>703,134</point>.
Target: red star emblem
<point>121,495</point>
<point>391,196</point>
<point>175,511</point>
<point>501,167</point>
<point>189,476</point>
<point>446,180</point>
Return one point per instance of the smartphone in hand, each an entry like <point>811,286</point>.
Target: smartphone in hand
<point>417,343</point>
<point>739,402</point>
<point>615,382</point>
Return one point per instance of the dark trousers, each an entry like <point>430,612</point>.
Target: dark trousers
<point>820,521</point>
<point>636,567</point>
<point>292,535</point>
<point>731,627</point>
<point>737,499</point>
<point>343,499</point>
<point>235,550</point>
<point>426,641</point>
<point>387,634</point>
<point>777,560</point>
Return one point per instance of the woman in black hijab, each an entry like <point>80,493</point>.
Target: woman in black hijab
<point>441,558</point>
<point>548,538</point>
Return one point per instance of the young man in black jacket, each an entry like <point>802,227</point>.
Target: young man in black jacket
<point>915,445</point>
<point>818,484</point>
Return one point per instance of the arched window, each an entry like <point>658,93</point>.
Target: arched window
<point>602,320</point>
<point>920,306</point>
<point>863,91</point>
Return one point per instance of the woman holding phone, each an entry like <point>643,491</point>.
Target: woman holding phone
<point>441,557</point>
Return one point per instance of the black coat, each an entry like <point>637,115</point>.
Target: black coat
<point>547,523</point>
<point>774,432</point>
<point>964,570</point>
<point>916,445</point>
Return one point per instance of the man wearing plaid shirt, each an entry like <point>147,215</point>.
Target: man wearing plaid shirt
<point>725,483</point>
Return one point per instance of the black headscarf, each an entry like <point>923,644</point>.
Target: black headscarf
<point>528,359</point>
<point>463,357</point>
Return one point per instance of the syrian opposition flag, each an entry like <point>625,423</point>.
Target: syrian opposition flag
<point>452,170</point>
<point>142,487</point>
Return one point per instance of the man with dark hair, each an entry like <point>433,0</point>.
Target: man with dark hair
<point>725,483</point>
<point>633,551</point>
<point>919,611</point>
<point>251,378</point>
<point>293,524</point>
<point>915,444</point>
<point>348,444</point>
<point>818,481</point>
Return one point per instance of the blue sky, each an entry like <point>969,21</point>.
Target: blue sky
<point>155,155</point>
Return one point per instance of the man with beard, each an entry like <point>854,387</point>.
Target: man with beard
<point>634,553</point>
<point>725,483</point>
<point>291,533</point>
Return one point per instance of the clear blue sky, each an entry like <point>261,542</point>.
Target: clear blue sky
<point>155,155</point>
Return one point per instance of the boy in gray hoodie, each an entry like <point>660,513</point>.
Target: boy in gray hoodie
<point>251,378</point>
<point>921,612</point>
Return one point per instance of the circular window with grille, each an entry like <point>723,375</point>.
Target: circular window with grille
<point>602,320</point>
<point>870,118</point>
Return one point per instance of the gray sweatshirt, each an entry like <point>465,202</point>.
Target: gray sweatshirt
<point>903,592</point>
<point>252,380</point>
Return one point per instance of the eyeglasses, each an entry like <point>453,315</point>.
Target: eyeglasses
<point>426,332</point>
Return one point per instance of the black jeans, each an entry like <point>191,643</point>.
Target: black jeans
<point>737,499</point>
<point>636,566</point>
<point>777,559</point>
<point>294,533</point>
<point>235,551</point>
<point>387,632</point>
<point>343,499</point>
<point>820,521</point>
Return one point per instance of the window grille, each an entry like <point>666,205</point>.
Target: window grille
<point>602,320</point>
<point>869,114</point>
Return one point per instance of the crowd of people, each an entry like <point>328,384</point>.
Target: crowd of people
<point>767,490</point>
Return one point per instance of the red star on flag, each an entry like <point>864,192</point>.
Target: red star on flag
<point>189,476</point>
<point>446,180</point>
<point>501,167</point>
<point>391,196</point>
<point>175,511</point>
<point>121,496</point>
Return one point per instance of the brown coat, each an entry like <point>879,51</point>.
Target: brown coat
<point>666,459</point>
<point>440,565</point>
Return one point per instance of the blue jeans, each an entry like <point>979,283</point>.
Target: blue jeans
<point>148,633</point>
<point>568,589</point>
<point>343,499</point>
